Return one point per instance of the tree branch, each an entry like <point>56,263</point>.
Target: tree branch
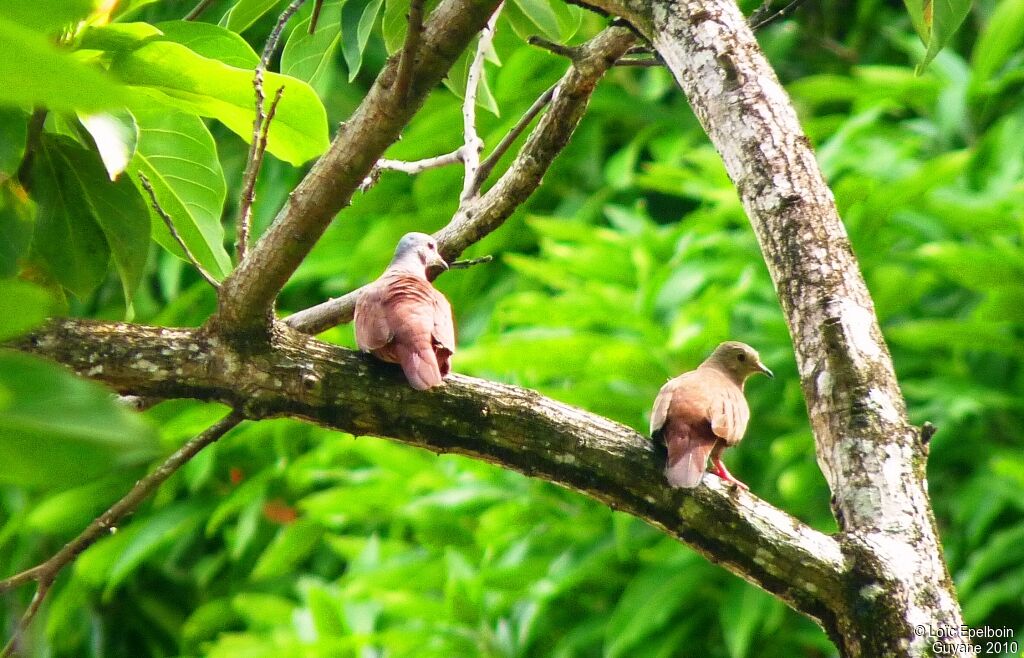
<point>46,573</point>
<point>487,166</point>
<point>249,292</point>
<point>198,10</point>
<point>260,129</point>
<point>472,145</point>
<point>169,223</point>
<point>868,451</point>
<point>506,425</point>
<point>409,48</point>
<point>418,166</point>
<point>260,135</point>
<point>482,215</point>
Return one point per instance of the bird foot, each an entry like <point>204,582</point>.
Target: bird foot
<point>721,471</point>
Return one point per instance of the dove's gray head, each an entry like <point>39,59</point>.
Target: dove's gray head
<point>417,253</point>
<point>737,360</point>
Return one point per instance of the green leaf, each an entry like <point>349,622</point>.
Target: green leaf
<point>37,73</point>
<point>570,18</point>
<point>23,305</point>
<point>353,48</point>
<point>67,237</point>
<point>115,135</point>
<point>115,206</point>
<point>936,22</point>
<point>395,24</point>
<point>1001,38</point>
<point>247,12</point>
<point>17,216</point>
<point>45,15</point>
<point>118,37</point>
<point>540,14</point>
<point>13,132</point>
<point>211,41</point>
<point>179,157</point>
<point>171,73</point>
<point>57,430</point>
<point>309,56</point>
<point>292,545</point>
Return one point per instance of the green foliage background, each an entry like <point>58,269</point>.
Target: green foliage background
<point>626,267</point>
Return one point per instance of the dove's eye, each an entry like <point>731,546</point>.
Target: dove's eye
<point>742,357</point>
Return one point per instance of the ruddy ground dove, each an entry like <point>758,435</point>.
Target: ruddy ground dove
<point>401,318</point>
<point>702,412</point>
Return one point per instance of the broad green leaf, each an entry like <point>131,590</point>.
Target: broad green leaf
<point>66,237</point>
<point>48,16</point>
<point>115,206</point>
<point>23,305</point>
<point>570,18</point>
<point>37,73</point>
<point>211,41</point>
<point>540,14</point>
<point>355,31</point>
<point>247,12</point>
<point>936,22</point>
<point>1001,38</point>
<point>395,24</point>
<point>175,75</point>
<point>309,56</point>
<point>179,157</point>
<point>17,216</point>
<point>13,131</point>
<point>57,430</point>
<point>115,135</point>
<point>292,545</point>
<point>118,37</point>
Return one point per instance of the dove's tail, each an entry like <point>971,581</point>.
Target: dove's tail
<point>687,456</point>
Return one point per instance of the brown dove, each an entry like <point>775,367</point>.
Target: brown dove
<point>702,412</point>
<point>401,318</point>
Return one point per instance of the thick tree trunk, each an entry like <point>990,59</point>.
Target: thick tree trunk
<point>871,456</point>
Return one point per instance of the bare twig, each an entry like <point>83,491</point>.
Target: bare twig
<point>481,216</point>
<point>198,10</point>
<point>315,18</point>
<point>506,142</point>
<point>46,572</point>
<point>468,263</point>
<point>417,166</point>
<point>551,46</point>
<point>760,18</point>
<point>260,130</point>
<point>258,148</point>
<point>409,49</point>
<point>472,144</point>
<point>169,223</point>
<point>645,62</point>
<point>252,167</point>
